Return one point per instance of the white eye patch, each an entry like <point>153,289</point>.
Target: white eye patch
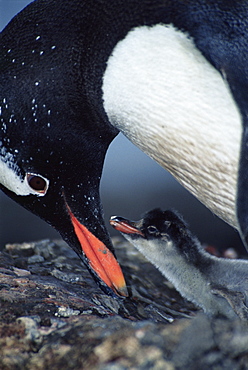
<point>10,177</point>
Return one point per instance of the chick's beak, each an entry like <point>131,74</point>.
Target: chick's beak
<point>100,258</point>
<point>124,226</point>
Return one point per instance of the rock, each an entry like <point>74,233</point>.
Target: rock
<point>53,315</point>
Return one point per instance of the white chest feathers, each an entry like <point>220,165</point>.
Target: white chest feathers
<point>161,92</point>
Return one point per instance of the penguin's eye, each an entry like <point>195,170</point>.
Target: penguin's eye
<point>37,183</point>
<point>152,229</point>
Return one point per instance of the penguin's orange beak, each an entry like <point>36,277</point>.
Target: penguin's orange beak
<point>100,258</point>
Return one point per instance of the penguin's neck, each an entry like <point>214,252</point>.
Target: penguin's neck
<point>168,100</point>
<point>195,273</point>
<point>190,280</point>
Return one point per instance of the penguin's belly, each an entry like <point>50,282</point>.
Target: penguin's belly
<point>161,92</point>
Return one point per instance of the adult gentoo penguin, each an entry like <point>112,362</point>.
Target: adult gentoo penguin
<point>217,285</point>
<point>171,75</point>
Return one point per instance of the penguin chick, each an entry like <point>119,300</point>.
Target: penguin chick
<point>217,285</point>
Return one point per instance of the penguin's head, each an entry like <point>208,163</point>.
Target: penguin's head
<point>155,236</point>
<point>53,140</point>
<point>155,224</point>
<point>58,180</point>
<point>51,159</point>
<point>159,234</point>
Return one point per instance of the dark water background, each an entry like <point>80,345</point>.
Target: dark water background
<point>132,183</point>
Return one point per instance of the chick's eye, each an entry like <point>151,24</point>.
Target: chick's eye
<point>37,183</point>
<point>152,229</point>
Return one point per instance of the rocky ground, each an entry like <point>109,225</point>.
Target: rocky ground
<point>53,315</point>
